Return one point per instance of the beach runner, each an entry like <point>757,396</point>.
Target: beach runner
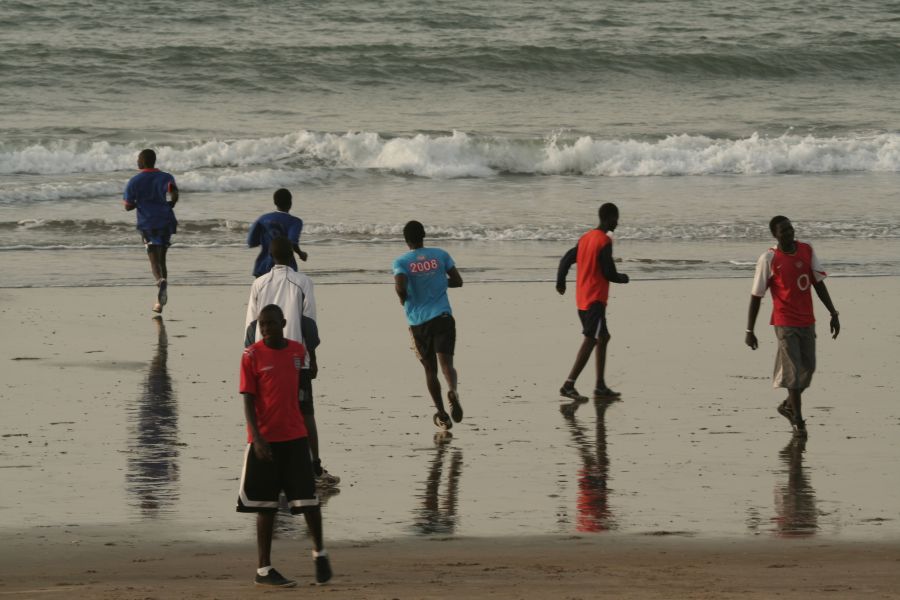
<point>293,292</point>
<point>788,270</point>
<point>277,456</point>
<point>421,279</point>
<point>279,223</point>
<point>596,269</point>
<point>146,192</point>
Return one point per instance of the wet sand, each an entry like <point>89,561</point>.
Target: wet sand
<point>131,430</point>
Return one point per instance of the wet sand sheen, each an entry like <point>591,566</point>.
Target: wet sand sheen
<point>121,420</point>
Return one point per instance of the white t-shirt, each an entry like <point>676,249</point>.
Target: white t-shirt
<point>290,290</point>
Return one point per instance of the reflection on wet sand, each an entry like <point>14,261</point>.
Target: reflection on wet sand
<point>795,499</point>
<point>594,513</point>
<point>437,512</point>
<point>152,468</point>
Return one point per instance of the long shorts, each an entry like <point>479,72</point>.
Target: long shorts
<point>157,237</point>
<point>795,361</point>
<point>290,471</point>
<point>593,321</point>
<point>437,336</point>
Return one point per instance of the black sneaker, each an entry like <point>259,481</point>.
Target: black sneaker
<point>442,420</point>
<point>605,392</point>
<point>275,579</point>
<point>456,410</point>
<point>785,411</point>
<point>800,428</point>
<point>323,570</point>
<point>572,394</point>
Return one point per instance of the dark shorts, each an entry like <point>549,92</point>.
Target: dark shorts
<point>291,471</point>
<point>157,237</point>
<point>306,394</point>
<point>437,336</point>
<point>593,320</point>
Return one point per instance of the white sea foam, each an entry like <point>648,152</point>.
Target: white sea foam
<point>225,165</point>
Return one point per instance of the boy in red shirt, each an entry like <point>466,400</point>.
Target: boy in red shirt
<point>789,270</point>
<point>596,270</point>
<point>277,457</point>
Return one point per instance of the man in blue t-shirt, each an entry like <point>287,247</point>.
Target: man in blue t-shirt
<point>146,193</point>
<point>421,279</point>
<point>272,225</point>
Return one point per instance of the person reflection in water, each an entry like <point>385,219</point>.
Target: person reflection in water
<point>152,473</point>
<point>438,514</point>
<point>795,499</point>
<point>594,513</point>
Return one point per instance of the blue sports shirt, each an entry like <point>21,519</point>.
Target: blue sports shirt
<point>265,229</point>
<point>426,283</point>
<point>147,191</point>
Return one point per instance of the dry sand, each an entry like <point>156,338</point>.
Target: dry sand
<point>120,448</point>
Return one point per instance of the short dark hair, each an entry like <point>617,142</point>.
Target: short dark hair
<point>775,221</point>
<point>607,210</point>
<point>272,308</point>
<point>281,250</point>
<point>414,232</point>
<point>149,157</point>
<point>282,198</point>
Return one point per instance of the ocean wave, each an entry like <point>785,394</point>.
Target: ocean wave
<point>261,163</point>
<point>46,233</point>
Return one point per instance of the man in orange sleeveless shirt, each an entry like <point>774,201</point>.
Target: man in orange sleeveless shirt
<point>596,269</point>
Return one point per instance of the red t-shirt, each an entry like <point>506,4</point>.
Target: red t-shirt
<point>590,284</point>
<point>273,377</point>
<point>789,277</point>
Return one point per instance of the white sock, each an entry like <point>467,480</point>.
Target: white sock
<point>318,554</point>
<point>263,571</point>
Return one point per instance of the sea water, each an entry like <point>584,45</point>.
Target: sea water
<point>501,126</point>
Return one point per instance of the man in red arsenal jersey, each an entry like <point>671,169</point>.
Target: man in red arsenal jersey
<point>277,457</point>
<point>596,269</point>
<point>789,270</point>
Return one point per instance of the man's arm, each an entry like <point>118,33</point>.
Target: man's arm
<point>260,446</point>
<point>454,279</point>
<point>303,255</point>
<point>400,287</point>
<point>608,266</point>
<point>565,264</point>
<point>822,293</point>
<point>752,312</point>
<point>173,193</point>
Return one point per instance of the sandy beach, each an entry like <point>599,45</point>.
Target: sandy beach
<point>121,442</point>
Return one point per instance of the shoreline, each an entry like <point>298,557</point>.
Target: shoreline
<point>528,567</point>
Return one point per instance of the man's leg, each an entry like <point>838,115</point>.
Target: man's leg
<point>433,383</point>
<point>153,253</point>
<point>584,353</point>
<point>600,359</point>
<point>265,525</point>
<point>446,363</point>
<point>794,396</point>
<point>313,516</point>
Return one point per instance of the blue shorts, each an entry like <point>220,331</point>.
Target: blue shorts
<point>157,237</point>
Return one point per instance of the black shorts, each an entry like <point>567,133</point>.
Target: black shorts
<point>437,336</point>
<point>593,321</point>
<point>290,471</point>
<point>306,394</point>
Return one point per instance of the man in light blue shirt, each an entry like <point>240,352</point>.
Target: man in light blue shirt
<point>421,279</point>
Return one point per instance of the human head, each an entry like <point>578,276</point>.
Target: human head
<point>609,216</point>
<point>281,251</point>
<point>282,199</point>
<point>783,231</point>
<point>414,234</point>
<point>271,323</point>
<point>146,159</point>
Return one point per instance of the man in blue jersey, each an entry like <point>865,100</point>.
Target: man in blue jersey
<point>421,279</point>
<point>279,223</point>
<point>146,193</point>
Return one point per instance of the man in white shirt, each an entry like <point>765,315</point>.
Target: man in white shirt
<point>292,291</point>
